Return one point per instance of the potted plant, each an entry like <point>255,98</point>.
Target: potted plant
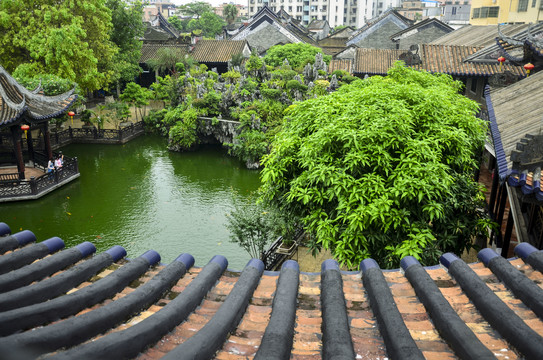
<point>86,116</point>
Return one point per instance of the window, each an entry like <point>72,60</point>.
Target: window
<point>353,20</point>
<point>534,2</point>
<point>522,5</point>
<point>298,8</point>
<point>493,11</point>
<point>324,17</point>
<point>475,14</point>
<point>344,19</point>
<point>298,17</point>
<point>353,10</point>
<point>453,10</point>
<point>324,8</point>
<point>290,8</point>
<point>473,87</point>
<point>380,4</point>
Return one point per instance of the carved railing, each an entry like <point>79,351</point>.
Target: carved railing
<point>94,135</point>
<point>35,186</point>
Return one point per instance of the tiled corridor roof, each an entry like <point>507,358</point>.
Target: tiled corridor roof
<point>73,304</point>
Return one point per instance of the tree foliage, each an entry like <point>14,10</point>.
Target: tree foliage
<point>210,23</point>
<point>70,39</point>
<point>230,13</point>
<point>125,34</point>
<point>298,55</point>
<point>194,9</point>
<point>381,168</point>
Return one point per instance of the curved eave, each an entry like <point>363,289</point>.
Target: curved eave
<point>54,114</point>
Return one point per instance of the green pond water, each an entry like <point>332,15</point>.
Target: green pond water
<point>142,196</point>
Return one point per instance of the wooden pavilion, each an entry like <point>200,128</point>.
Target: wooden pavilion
<point>21,112</point>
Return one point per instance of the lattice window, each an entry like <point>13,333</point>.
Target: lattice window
<point>476,13</point>
<point>522,5</point>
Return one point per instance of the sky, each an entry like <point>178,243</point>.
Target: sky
<point>212,2</point>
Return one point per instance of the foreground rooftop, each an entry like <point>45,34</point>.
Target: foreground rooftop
<point>75,304</point>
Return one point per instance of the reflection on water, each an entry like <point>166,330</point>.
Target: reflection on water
<point>141,196</point>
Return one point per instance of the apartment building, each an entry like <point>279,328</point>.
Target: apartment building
<point>337,12</point>
<point>492,12</point>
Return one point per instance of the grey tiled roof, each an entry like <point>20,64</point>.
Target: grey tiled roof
<point>17,102</point>
<point>74,304</point>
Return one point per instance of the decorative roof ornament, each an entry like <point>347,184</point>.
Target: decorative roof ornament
<point>508,39</point>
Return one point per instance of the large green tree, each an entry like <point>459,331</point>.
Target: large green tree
<point>65,38</point>
<point>210,23</point>
<point>126,32</point>
<point>298,55</point>
<point>382,168</point>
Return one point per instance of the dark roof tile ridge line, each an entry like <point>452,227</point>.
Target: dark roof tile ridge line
<point>77,329</point>
<point>38,270</point>
<point>4,229</point>
<point>20,107</point>
<point>206,342</point>
<point>496,137</point>
<point>530,255</point>
<point>70,304</point>
<point>279,334</point>
<point>22,257</point>
<point>493,309</point>
<point>447,322</point>
<point>398,341</point>
<point>53,286</point>
<point>30,94</point>
<point>336,338</point>
<point>11,242</point>
<point>130,342</point>
<point>520,285</point>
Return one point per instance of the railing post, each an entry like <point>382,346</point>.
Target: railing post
<point>76,166</point>
<point>33,186</point>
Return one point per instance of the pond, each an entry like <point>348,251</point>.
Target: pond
<point>142,196</point>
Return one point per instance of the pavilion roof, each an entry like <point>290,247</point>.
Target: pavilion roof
<point>17,102</point>
<point>87,305</point>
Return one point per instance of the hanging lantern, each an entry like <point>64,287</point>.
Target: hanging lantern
<point>25,128</point>
<point>528,67</point>
<point>501,60</point>
<point>71,115</point>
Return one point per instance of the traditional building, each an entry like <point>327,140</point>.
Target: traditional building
<point>266,29</point>
<point>337,42</point>
<point>422,32</point>
<point>377,32</point>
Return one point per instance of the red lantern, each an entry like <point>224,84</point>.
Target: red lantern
<point>528,67</point>
<point>25,128</point>
<point>501,60</point>
<point>71,115</point>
